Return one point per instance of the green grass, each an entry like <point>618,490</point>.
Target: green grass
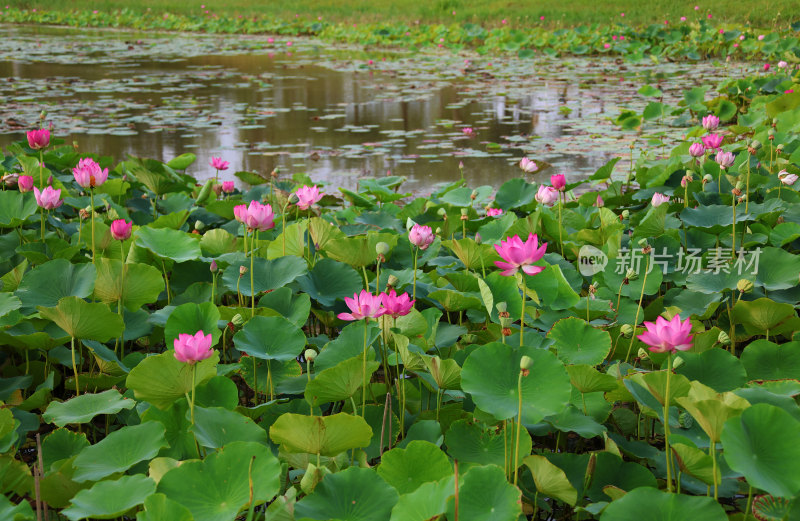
<point>557,13</point>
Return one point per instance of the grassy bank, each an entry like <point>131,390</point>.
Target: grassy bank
<point>556,13</point>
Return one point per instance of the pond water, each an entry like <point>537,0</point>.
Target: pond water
<point>336,113</point>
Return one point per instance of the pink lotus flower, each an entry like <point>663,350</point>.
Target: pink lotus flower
<point>48,198</point>
<point>790,91</point>
<point>38,139</point>
<point>599,202</point>
<point>421,236</point>
<point>558,181</point>
<point>667,335</point>
<point>741,37</point>
<point>712,141</point>
<point>270,40</point>
<point>760,37</point>
<point>240,212</point>
<point>219,164</point>
<point>766,67</point>
<point>88,173</point>
<point>517,254</point>
<point>307,196</point>
<point>527,165</point>
<point>725,159</point>
<point>228,187</point>
<point>787,178</point>
<point>494,212</point>
<point>396,305</point>
<point>697,150</point>
<point>257,217</point>
<point>25,183</point>
<point>363,305</point>
<point>659,199</point>
<point>121,229</point>
<point>193,348</point>
<point>782,64</point>
<point>468,131</point>
<point>710,122</point>
<point>606,46</point>
<point>683,18</point>
<point>546,195</point>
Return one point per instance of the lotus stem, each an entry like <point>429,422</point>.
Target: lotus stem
<point>455,465</point>
<point>560,235</point>
<point>414,290</point>
<point>194,384</point>
<point>269,380</point>
<point>91,201</point>
<point>747,186</point>
<point>252,506</point>
<point>308,374</point>
<point>74,366</point>
<point>519,428</point>
<point>712,451</point>
<point>41,210</point>
<point>666,426</point>
<point>638,308</point>
<point>364,370</point>
<point>255,381</point>
<point>41,168</point>
<point>733,233</point>
<point>166,279</point>
<point>522,315</point>
<point>749,503</point>
<point>252,287</point>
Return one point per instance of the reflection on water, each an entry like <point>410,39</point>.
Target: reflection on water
<point>324,112</point>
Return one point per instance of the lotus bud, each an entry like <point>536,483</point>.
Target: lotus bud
<point>525,363</point>
<point>744,285</point>
<point>310,354</point>
<point>381,248</point>
<point>478,237</point>
<point>199,226</point>
<point>461,165</point>
<point>464,214</point>
<point>723,338</point>
<point>625,214</point>
<point>643,354</point>
<point>626,330</point>
<point>392,282</point>
<point>242,270</point>
<point>214,266</point>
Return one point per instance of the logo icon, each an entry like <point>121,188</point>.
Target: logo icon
<point>591,260</point>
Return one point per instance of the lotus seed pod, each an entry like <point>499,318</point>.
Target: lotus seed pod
<point>469,338</point>
<point>707,178</point>
<point>626,330</point>
<point>631,274</point>
<point>441,212</point>
<point>625,214</point>
<point>242,270</point>
<point>238,320</point>
<point>739,185</point>
<point>199,226</point>
<point>677,362</point>
<point>392,281</point>
<point>381,248</point>
<point>438,231</point>
<point>464,212</point>
<point>723,338</point>
<point>429,205</point>
<point>686,420</point>
<point>643,243</point>
<point>310,355</point>
<point>755,144</point>
<point>744,285</point>
<point>525,363</point>
<point>643,354</point>
<point>293,198</point>
<point>502,307</point>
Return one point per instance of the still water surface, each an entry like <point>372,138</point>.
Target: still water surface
<point>327,111</point>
